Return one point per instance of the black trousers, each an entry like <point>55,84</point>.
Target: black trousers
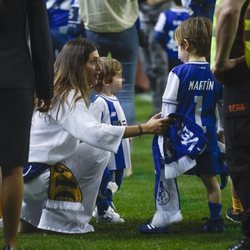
<point>16,108</point>
<point>237,135</point>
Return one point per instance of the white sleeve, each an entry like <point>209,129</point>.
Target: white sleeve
<point>80,123</point>
<point>169,99</point>
<point>96,109</point>
<point>171,91</point>
<point>160,23</point>
<point>168,109</point>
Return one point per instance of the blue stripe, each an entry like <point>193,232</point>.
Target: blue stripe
<point>157,163</point>
<point>119,156</point>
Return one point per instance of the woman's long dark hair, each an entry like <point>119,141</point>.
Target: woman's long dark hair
<point>70,71</point>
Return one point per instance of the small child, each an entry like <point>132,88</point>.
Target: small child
<point>164,29</point>
<point>193,92</point>
<point>107,109</point>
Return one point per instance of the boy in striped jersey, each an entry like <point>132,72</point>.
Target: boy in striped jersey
<point>107,109</point>
<point>193,92</point>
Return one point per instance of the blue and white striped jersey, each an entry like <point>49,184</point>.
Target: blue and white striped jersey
<point>164,29</point>
<point>193,92</point>
<point>58,12</point>
<point>108,110</point>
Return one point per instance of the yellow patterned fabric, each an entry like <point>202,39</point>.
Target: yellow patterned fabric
<point>63,185</point>
<point>247,35</point>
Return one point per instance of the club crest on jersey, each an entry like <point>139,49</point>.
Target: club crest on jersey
<point>163,195</point>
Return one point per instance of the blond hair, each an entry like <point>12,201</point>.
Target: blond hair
<point>110,68</point>
<point>198,32</point>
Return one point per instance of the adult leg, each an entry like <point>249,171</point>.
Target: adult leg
<point>237,134</point>
<point>12,195</point>
<point>242,188</point>
<point>71,203</point>
<point>35,196</point>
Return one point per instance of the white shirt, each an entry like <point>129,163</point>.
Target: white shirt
<point>104,16</point>
<point>56,135</point>
<point>100,110</point>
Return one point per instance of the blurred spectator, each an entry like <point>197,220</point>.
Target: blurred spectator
<point>58,13</point>
<point>21,79</point>
<point>111,25</point>
<point>230,62</point>
<point>201,7</point>
<point>167,22</point>
<point>153,57</point>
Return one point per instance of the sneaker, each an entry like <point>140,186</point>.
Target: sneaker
<point>151,229</point>
<point>244,244</point>
<point>110,216</point>
<point>235,217</point>
<point>213,225</point>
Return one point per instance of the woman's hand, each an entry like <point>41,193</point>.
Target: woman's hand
<point>156,125</point>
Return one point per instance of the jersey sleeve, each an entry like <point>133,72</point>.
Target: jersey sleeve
<point>171,91</point>
<point>159,27</point>
<point>169,99</point>
<point>80,123</point>
<point>97,108</point>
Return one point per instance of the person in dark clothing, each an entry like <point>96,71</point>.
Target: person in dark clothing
<point>23,71</point>
<point>232,68</point>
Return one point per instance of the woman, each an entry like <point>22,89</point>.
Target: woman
<point>20,77</point>
<point>69,148</point>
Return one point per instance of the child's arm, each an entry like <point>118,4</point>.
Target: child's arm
<point>169,99</point>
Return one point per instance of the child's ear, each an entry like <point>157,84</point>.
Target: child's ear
<point>186,44</point>
<point>106,82</point>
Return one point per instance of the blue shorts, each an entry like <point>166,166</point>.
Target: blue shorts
<point>206,164</point>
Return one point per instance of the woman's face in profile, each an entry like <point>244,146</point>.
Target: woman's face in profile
<point>93,68</point>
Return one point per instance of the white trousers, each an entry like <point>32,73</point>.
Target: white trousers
<point>87,165</point>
